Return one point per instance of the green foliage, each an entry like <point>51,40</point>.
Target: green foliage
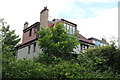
<point>9,40</point>
<point>101,62</point>
<point>43,58</point>
<point>90,65</point>
<point>102,58</point>
<point>56,42</point>
<point>13,68</point>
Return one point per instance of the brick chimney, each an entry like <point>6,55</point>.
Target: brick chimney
<point>44,17</point>
<point>25,25</point>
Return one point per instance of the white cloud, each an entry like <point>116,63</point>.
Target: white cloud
<point>103,25</point>
<point>57,6</point>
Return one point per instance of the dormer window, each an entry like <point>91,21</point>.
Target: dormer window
<point>68,29</point>
<point>71,30</point>
<point>30,32</point>
<point>35,30</point>
<point>65,27</point>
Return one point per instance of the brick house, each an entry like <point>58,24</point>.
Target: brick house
<point>29,48</point>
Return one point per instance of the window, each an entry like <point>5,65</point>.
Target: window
<point>82,47</point>
<point>35,30</point>
<point>86,47</point>
<point>28,49</point>
<point>34,47</point>
<point>65,27</point>
<point>71,30</point>
<point>68,29</point>
<point>94,41</point>
<point>30,32</point>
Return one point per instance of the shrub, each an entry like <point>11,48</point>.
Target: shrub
<point>70,69</point>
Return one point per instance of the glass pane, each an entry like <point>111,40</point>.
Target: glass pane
<point>67,28</point>
<point>64,26</point>
<point>71,30</point>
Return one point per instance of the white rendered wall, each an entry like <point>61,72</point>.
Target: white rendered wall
<point>23,52</point>
<point>77,50</point>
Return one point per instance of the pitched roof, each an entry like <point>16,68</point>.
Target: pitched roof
<point>92,38</point>
<point>82,38</point>
<point>51,24</point>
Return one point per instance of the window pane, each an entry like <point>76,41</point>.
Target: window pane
<point>67,28</point>
<point>71,30</point>
<point>85,47</point>
<point>34,47</point>
<point>30,32</point>
<point>35,30</point>
<point>28,49</point>
<point>64,26</point>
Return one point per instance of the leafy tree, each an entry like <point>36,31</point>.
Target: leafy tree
<point>57,42</point>
<point>9,39</point>
<point>102,58</point>
<point>88,66</point>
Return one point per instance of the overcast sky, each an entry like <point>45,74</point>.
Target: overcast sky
<point>94,18</point>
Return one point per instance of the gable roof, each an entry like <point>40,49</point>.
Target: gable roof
<point>82,38</point>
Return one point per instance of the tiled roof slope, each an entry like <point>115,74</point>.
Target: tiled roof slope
<point>82,38</point>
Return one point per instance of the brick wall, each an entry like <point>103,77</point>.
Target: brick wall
<point>27,37</point>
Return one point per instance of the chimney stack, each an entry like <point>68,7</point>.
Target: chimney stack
<point>44,17</point>
<point>25,25</point>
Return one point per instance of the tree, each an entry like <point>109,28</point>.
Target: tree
<point>102,58</point>
<point>9,39</point>
<point>57,42</point>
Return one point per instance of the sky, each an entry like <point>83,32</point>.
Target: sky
<point>94,18</point>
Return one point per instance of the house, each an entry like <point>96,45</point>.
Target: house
<point>29,48</point>
<point>98,42</point>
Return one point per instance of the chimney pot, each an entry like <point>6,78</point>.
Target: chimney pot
<point>25,25</point>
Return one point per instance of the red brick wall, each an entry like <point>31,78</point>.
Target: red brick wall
<point>27,38</point>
